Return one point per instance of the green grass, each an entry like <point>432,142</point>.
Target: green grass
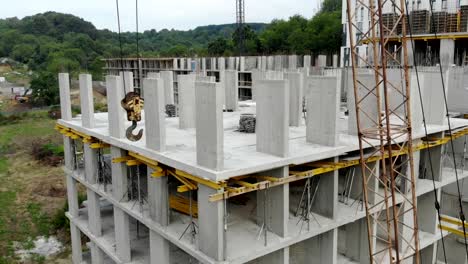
<point>21,222</point>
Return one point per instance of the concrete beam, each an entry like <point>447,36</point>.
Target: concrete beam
<point>211,224</point>
<point>231,84</point>
<point>65,102</point>
<point>272,130</point>
<point>209,125</point>
<point>323,107</point>
<point>117,115</point>
<point>168,79</point>
<point>86,99</point>
<point>154,114</point>
<point>296,89</point>
<point>187,100</point>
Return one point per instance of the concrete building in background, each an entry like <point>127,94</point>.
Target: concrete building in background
<point>197,189</point>
<point>450,24</point>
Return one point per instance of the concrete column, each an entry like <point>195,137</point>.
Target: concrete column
<point>270,63</point>
<point>447,50</point>
<point>209,125</point>
<point>231,84</point>
<point>65,102</point>
<point>158,203</point>
<point>94,206</point>
<point>187,101</point>
<point>296,88</point>
<point>292,62</point>
<point>221,63</point>
<point>127,81</point>
<point>231,63</point>
<point>278,257</point>
<point>278,63</point>
<point>335,61</point>
<point>277,205</point>
<point>117,115</point>
<point>94,213</point>
<point>326,201</point>
<point>203,64</point>
<point>409,46</point>
<point>242,64</point>
<point>307,61</point>
<point>159,249</point>
<point>272,117</point>
<point>119,175</point>
<point>210,224</point>
<point>87,102</point>
<point>153,75</point>
<point>434,105</point>
<point>97,255</point>
<point>322,248</point>
<point>122,234</point>
<point>77,250</point>
<point>323,108</point>
<point>356,192</point>
<point>322,61</point>
<point>72,191</point>
<point>369,104</point>
<point>357,242</point>
<point>264,63</point>
<point>154,114</point>
<point>257,75</point>
<point>213,64</point>
<point>168,79</point>
<point>174,64</point>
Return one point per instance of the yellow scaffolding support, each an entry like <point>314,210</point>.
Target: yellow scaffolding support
<point>238,185</point>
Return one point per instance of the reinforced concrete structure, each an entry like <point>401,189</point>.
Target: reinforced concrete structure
<point>194,189</point>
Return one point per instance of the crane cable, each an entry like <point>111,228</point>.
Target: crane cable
<point>120,44</point>
<point>434,189</point>
<point>461,214</point>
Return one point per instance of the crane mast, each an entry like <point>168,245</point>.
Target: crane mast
<point>384,129</point>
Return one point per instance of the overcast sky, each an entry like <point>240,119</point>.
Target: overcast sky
<point>158,14</point>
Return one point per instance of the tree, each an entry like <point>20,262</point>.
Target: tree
<point>218,47</point>
<point>23,52</point>
<point>45,89</point>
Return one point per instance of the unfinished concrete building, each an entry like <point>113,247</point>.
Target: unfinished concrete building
<point>448,20</point>
<point>198,189</point>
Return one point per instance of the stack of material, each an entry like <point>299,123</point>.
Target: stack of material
<point>420,21</point>
<point>440,22</point>
<point>247,123</point>
<point>464,19</point>
<point>452,22</point>
<point>171,110</point>
<point>389,21</point>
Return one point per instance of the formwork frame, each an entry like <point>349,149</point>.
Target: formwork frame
<point>386,124</point>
